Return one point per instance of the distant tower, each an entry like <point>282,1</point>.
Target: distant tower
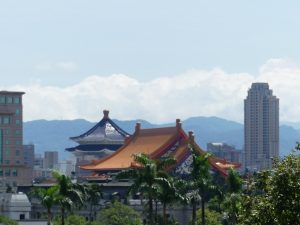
<point>261,119</point>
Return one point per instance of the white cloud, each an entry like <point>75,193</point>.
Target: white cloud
<point>194,93</point>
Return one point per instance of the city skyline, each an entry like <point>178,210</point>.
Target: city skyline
<point>158,54</point>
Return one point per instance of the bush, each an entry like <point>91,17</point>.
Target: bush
<point>211,217</point>
<point>72,220</point>
<point>119,214</point>
<point>6,221</point>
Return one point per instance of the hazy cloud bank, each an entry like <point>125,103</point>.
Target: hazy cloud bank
<point>193,93</point>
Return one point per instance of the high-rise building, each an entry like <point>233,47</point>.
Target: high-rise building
<point>261,119</point>
<point>13,170</point>
<point>50,159</point>
<point>38,161</point>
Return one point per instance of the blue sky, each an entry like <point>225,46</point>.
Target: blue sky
<point>60,44</point>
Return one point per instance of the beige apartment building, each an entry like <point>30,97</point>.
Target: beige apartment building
<point>13,170</point>
<point>261,124</point>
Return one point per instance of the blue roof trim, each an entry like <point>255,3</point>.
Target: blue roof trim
<point>101,124</point>
<point>94,147</point>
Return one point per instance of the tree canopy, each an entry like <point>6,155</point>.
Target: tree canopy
<point>118,214</point>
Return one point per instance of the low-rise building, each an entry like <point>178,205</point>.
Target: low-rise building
<point>16,206</point>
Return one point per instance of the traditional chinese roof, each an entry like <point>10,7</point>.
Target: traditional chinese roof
<point>104,132</point>
<point>156,143</point>
<point>94,148</point>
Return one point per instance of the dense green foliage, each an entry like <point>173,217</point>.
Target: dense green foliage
<point>200,184</point>
<point>93,196</point>
<point>119,214</point>
<point>47,198</point>
<point>273,197</point>
<point>71,220</point>
<point>66,194</point>
<point>264,198</point>
<point>6,221</point>
<point>75,220</point>
<point>153,182</point>
<point>211,217</point>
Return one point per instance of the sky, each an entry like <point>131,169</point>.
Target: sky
<point>153,60</point>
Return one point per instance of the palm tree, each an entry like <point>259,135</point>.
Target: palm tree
<point>234,181</point>
<point>94,194</point>
<point>47,198</point>
<point>200,181</point>
<point>147,178</point>
<point>232,202</point>
<point>69,194</point>
<point>167,194</point>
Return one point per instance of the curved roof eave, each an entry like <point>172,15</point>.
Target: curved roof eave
<point>101,123</point>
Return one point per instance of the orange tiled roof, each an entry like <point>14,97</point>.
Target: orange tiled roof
<point>148,141</point>
<point>155,143</point>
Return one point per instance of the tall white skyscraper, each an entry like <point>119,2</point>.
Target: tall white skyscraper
<point>261,119</point>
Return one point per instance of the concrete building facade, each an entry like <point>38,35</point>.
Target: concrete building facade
<point>261,120</point>
<point>224,151</point>
<point>13,170</point>
<point>28,155</point>
<point>50,159</point>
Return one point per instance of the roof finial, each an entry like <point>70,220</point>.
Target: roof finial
<point>178,124</point>
<point>191,136</point>
<point>137,127</point>
<point>105,113</point>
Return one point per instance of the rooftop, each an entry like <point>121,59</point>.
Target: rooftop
<point>155,142</point>
<point>104,132</point>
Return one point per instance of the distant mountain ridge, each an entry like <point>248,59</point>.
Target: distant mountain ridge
<point>54,134</point>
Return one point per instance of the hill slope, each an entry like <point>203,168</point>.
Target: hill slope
<point>54,135</point>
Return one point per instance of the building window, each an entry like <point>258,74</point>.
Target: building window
<point>7,162</point>
<point>18,132</point>
<point>7,131</point>
<point>17,121</point>
<point>16,100</point>
<point>18,162</point>
<point>7,172</point>
<point>6,120</point>
<point>18,111</point>
<point>6,152</point>
<point>18,142</point>
<point>9,99</point>
<point>7,142</point>
<point>1,172</point>
<point>17,152</point>
<point>2,99</point>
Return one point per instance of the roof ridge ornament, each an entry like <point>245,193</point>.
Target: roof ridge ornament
<point>178,124</point>
<point>105,113</point>
<point>191,137</point>
<point>137,127</point>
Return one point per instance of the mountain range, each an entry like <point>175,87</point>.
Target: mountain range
<point>54,135</point>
